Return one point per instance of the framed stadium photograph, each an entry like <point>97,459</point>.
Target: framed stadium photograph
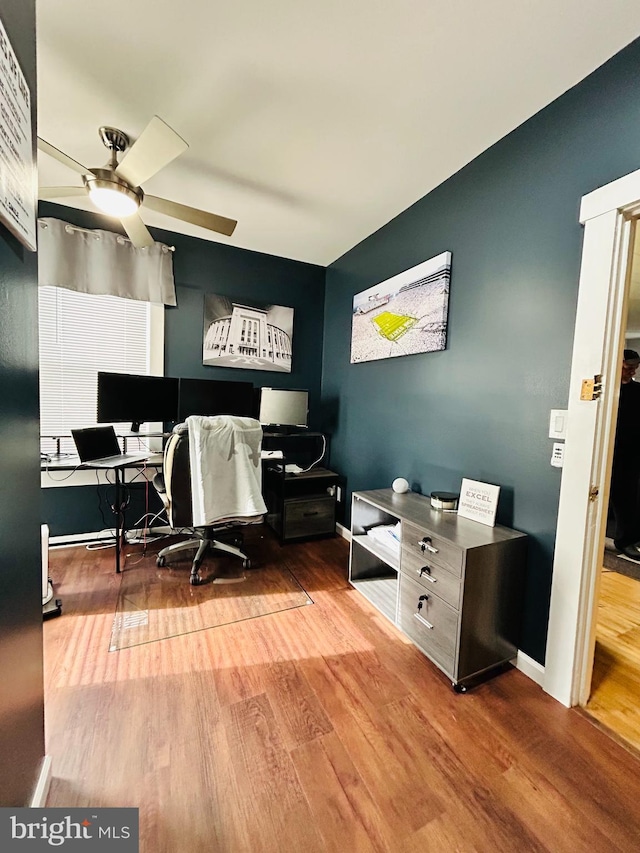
<point>405,314</point>
<point>246,334</point>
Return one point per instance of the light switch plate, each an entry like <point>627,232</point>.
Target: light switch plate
<point>558,423</point>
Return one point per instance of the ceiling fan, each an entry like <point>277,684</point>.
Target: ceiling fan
<point>115,188</point>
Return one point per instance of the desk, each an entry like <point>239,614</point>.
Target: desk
<point>72,463</point>
<point>303,447</point>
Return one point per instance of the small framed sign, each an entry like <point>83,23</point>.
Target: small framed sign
<point>478,501</point>
<point>18,181</point>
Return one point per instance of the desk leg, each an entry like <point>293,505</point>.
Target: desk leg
<point>118,532</point>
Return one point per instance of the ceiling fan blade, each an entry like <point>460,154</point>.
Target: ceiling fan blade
<point>59,192</point>
<point>54,152</point>
<point>137,231</point>
<point>156,146</point>
<point>211,221</point>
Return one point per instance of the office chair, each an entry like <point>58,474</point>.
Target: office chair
<point>211,485</point>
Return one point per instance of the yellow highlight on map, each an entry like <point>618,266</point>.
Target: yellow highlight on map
<point>393,326</point>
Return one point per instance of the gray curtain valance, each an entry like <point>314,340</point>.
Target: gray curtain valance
<point>102,262</point>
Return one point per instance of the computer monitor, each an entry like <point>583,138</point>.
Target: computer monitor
<point>126,397</point>
<point>215,397</point>
<point>284,407</point>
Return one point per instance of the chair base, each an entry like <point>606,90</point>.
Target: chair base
<point>201,545</point>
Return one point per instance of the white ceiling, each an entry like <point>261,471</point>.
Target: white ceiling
<point>311,123</point>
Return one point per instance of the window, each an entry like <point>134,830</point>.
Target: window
<point>81,334</point>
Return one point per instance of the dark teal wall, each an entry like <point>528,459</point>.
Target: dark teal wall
<point>21,676</point>
<point>73,510</point>
<point>203,267</point>
<point>480,409</point>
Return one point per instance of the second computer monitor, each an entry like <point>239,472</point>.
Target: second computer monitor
<point>213,397</point>
<point>138,399</point>
<point>283,407</point>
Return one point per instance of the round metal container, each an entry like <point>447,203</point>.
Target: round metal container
<point>444,500</point>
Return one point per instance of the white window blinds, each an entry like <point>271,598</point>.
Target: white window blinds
<point>81,334</point>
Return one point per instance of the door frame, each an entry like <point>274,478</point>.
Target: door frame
<point>608,215</point>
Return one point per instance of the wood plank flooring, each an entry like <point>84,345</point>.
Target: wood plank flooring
<point>316,729</point>
<point>615,685</point>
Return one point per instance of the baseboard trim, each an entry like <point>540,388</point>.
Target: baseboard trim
<point>530,667</point>
<point>343,531</point>
<point>87,538</point>
<point>41,790</point>
<point>79,539</point>
<point>72,539</point>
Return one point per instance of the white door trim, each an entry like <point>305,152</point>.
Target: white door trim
<point>598,343</point>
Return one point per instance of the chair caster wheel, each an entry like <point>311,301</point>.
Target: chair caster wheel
<point>195,580</point>
<point>160,561</point>
<point>246,564</point>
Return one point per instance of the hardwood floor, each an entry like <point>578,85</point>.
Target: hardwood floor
<point>615,685</point>
<point>316,729</point>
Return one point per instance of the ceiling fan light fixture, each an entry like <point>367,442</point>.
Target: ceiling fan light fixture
<point>112,197</point>
<point>113,202</point>
<point>115,188</point>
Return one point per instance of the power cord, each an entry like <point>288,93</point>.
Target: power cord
<point>319,459</point>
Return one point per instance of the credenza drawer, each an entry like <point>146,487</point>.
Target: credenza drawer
<point>441,581</point>
<point>430,622</point>
<point>440,552</point>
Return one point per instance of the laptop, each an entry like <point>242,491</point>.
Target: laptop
<point>99,446</point>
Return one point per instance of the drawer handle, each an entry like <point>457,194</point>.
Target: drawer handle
<point>425,572</point>
<point>307,514</point>
<point>425,545</point>
<point>423,621</point>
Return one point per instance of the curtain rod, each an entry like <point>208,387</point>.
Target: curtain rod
<point>71,227</point>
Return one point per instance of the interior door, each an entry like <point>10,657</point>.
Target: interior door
<point>598,345</point>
